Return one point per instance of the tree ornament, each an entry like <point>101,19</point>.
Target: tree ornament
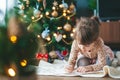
<point>45,33</point>
<point>55,3</point>
<point>59,55</point>
<point>54,13</point>
<point>42,56</point>
<point>64,53</point>
<point>39,0</point>
<point>44,4</point>
<point>36,13</point>
<point>53,54</point>
<point>65,5</point>
<point>21,6</point>
<point>58,37</point>
<point>72,6</point>
<point>21,12</point>
<point>67,27</point>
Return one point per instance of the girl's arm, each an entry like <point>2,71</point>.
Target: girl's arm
<point>101,61</point>
<point>73,53</point>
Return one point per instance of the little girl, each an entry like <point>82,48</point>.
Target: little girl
<point>87,43</point>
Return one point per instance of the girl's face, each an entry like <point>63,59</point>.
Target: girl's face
<point>86,48</point>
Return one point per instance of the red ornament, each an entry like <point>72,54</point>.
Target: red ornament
<point>64,53</point>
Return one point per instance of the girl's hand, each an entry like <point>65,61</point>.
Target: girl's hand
<point>69,68</point>
<point>83,69</point>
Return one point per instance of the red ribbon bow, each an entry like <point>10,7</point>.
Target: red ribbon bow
<point>42,56</point>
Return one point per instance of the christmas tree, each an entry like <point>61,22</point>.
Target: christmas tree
<point>47,23</point>
<point>52,21</point>
<point>17,48</point>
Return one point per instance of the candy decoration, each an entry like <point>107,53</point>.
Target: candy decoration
<point>44,4</point>
<point>59,55</point>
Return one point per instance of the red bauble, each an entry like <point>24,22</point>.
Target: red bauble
<point>64,53</point>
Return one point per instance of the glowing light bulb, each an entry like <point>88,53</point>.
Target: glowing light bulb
<point>73,30</point>
<point>48,38</point>
<point>23,63</point>
<point>11,72</point>
<point>59,28</point>
<point>13,39</point>
<point>71,34</point>
<point>55,34</point>
<point>64,36</point>
<point>68,11</point>
<point>64,11</point>
<point>47,13</point>
<point>38,36</point>
<point>61,6</point>
<point>41,15</point>
<point>33,17</point>
<point>64,14</point>
<point>68,18</point>
<point>53,8</point>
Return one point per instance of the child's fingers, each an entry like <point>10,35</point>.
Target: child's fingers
<point>81,69</point>
<point>69,69</point>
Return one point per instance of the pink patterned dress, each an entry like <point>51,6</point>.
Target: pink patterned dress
<point>101,53</point>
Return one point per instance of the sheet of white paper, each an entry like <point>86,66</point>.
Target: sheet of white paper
<point>57,69</point>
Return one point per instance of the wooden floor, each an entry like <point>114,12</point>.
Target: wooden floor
<point>71,78</point>
<point>54,78</point>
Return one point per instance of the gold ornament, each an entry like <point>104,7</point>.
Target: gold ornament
<point>53,54</point>
<point>39,0</point>
<point>67,27</point>
<point>72,6</point>
<point>54,13</point>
